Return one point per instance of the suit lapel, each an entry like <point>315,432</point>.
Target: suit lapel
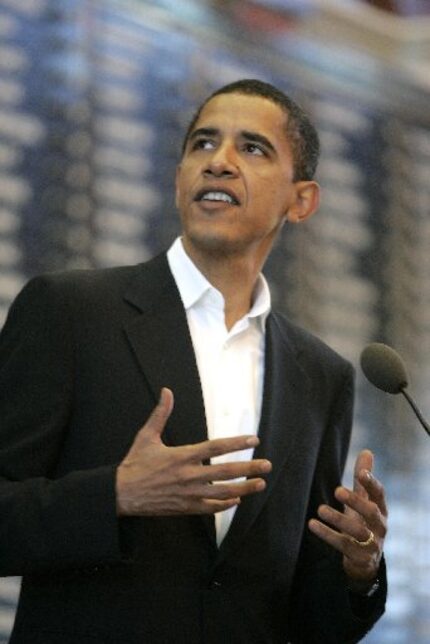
<point>282,428</point>
<point>162,344</point>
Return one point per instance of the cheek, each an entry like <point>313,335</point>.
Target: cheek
<point>274,201</point>
<point>181,190</point>
<point>283,196</point>
<point>274,186</point>
<point>186,181</point>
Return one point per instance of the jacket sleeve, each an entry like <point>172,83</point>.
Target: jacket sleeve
<point>323,610</point>
<point>45,522</point>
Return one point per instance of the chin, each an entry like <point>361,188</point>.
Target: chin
<point>217,244</point>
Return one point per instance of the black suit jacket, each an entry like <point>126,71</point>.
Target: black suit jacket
<point>83,357</point>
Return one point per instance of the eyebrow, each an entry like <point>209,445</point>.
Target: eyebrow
<point>258,138</point>
<point>253,137</point>
<point>203,131</point>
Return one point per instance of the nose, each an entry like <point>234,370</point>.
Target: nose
<point>222,162</point>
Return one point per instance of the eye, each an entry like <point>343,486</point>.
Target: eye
<point>203,144</point>
<point>255,149</point>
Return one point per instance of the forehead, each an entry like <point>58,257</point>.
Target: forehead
<point>240,112</point>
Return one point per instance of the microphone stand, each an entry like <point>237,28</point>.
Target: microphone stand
<point>414,406</point>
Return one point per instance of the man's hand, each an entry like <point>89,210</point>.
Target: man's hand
<point>154,479</point>
<point>360,530</point>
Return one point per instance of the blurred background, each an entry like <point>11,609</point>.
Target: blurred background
<point>94,97</point>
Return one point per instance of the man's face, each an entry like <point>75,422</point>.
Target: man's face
<point>234,185</point>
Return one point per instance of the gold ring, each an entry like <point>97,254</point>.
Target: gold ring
<point>367,542</point>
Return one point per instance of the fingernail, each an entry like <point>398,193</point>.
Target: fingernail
<point>253,441</point>
<point>314,526</point>
<point>341,494</point>
<point>324,511</point>
<point>266,466</point>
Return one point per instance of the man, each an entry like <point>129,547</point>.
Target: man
<point>174,533</point>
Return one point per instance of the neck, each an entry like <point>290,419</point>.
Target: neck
<point>233,275</point>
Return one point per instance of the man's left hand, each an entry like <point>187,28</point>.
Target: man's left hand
<point>358,532</point>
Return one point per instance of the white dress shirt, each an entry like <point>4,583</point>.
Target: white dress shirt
<point>230,363</point>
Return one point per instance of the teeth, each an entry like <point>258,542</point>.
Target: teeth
<point>217,196</point>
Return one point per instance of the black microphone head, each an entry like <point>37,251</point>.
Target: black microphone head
<point>384,368</point>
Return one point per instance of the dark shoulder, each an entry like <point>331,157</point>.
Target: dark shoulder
<point>84,292</point>
<point>81,281</point>
<point>97,283</point>
<point>313,353</point>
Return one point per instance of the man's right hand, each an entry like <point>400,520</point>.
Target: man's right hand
<point>154,479</point>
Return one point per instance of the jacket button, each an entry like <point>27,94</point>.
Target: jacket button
<point>216,584</point>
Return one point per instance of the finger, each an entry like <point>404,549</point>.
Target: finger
<point>368,511</point>
<point>223,491</point>
<point>188,506</point>
<point>229,471</point>
<point>213,506</point>
<point>364,461</point>
<point>342,542</point>
<point>208,499</point>
<point>154,426</point>
<point>325,533</point>
<point>375,490</point>
<point>219,446</point>
<point>344,523</point>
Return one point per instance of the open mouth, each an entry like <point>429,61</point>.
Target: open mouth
<point>214,196</point>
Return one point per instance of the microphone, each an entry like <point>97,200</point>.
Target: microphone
<point>384,368</point>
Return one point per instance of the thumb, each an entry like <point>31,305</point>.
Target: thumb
<point>154,426</point>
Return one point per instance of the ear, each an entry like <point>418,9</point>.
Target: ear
<point>306,202</point>
<point>178,172</point>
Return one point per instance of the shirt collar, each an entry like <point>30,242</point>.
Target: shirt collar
<point>193,285</point>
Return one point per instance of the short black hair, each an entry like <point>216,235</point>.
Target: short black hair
<point>302,134</point>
